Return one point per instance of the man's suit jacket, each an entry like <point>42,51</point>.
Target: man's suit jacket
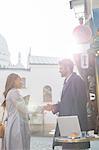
<point>73,102</point>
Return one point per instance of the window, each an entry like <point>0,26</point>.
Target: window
<point>47,94</point>
<point>23,82</point>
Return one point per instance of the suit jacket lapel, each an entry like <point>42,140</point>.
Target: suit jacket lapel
<point>66,85</point>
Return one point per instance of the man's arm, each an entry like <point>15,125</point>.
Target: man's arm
<point>55,108</point>
<point>52,107</point>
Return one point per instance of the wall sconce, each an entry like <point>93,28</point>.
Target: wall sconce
<point>78,7</point>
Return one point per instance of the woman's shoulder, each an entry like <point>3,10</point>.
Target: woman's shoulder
<point>13,91</point>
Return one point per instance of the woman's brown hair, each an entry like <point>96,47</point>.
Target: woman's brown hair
<point>10,83</point>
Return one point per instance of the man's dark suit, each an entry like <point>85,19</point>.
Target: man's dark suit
<point>73,102</point>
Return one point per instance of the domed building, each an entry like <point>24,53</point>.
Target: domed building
<point>4,53</point>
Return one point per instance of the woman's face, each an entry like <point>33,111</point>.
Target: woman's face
<point>18,83</point>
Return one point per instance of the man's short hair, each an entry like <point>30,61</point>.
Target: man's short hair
<point>67,62</point>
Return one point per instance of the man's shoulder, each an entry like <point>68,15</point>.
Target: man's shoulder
<point>77,77</point>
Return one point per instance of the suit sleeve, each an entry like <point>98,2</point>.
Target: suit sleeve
<point>56,108</point>
<point>80,101</point>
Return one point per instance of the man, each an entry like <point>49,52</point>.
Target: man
<point>73,101</point>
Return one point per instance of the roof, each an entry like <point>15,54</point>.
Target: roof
<point>43,60</point>
<point>14,69</point>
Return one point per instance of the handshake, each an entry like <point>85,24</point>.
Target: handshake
<point>48,107</point>
<point>40,109</point>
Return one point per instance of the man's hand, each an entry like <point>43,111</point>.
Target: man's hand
<point>48,107</point>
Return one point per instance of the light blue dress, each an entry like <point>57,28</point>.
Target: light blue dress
<point>17,134</point>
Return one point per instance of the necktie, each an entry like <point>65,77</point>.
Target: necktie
<point>64,85</point>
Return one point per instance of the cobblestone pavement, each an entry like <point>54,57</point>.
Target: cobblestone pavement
<point>42,143</point>
<point>45,143</point>
<point>39,143</point>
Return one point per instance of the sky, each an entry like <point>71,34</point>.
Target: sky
<point>45,26</point>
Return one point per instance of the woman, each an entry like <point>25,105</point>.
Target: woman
<point>17,136</point>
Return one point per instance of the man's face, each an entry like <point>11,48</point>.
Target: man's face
<point>63,70</point>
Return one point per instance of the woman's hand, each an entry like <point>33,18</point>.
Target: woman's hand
<point>48,107</point>
<point>27,97</point>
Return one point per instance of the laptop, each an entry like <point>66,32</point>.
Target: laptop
<point>68,125</point>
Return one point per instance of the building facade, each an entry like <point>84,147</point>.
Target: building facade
<point>41,80</point>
